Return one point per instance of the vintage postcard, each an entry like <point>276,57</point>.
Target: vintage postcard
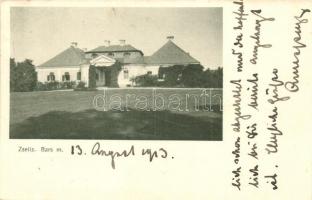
<point>156,100</point>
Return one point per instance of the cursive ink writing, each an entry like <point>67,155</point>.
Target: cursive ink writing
<point>253,152</point>
<point>236,179</point>
<point>276,83</point>
<point>237,105</point>
<point>239,38</point>
<point>273,180</point>
<point>253,133</point>
<point>272,146</point>
<point>240,14</point>
<point>292,86</point>
<point>96,150</point>
<point>257,35</point>
<point>236,152</point>
<point>162,152</point>
<point>239,60</point>
<point>254,176</point>
<point>254,91</point>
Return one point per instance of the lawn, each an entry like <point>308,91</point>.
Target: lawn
<point>71,115</point>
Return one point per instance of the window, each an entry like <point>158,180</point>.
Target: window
<point>66,77</point>
<point>127,54</point>
<point>78,76</point>
<point>97,77</point>
<point>161,75</point>
<point>94,55</point>
<point>126,74</point>
<point>149,73</point>
<point>51,77</point>
<point>179,77</point>
<point>110,54</point>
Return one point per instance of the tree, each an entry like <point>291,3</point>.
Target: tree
<point>191,76</point>
<point>13,76</point>
<point>213,78</point>
<point>145,80</point>
<point>92,77</point>
<point>23,76</point>
<point>171,75</point>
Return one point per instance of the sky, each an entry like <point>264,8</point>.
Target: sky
<point>39,33</point>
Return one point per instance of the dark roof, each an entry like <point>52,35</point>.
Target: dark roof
<point>170,53</point>
<point>114,48</point>
<point>136,60</point>
<point>70,57</point>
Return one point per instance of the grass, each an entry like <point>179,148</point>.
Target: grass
<point>71,115</point>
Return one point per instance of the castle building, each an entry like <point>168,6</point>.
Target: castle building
<point>73,63</point>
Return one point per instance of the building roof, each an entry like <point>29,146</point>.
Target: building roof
<point>170,53</point>
<point>136,60</point>
<point>70,57</point>
<point>115,48</point>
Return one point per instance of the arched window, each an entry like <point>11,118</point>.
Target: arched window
<point>66,77</point>
<point>126,74</point>
<point>51,77</point>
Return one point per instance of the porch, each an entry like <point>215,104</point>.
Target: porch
<point>106,71</point>
<point>102,77</point>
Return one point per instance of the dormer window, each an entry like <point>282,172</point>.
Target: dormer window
<point>94,55</point>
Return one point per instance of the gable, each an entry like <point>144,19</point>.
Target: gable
<point>70,57</point>
<point>102,61</point>
<point>170,53</point>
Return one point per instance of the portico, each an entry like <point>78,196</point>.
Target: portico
<point>103,66</point>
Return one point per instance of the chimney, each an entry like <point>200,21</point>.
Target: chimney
<point>170,37</point>
<point>122,42</point>
<point>74,44</point>
<point>107,42</point>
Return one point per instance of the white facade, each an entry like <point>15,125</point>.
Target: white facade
<point>125,76</point>
<point>59,72</point>
<point>130,71</point>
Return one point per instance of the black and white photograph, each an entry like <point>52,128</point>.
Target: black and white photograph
<point>135,73</point>
<point>155,100</point>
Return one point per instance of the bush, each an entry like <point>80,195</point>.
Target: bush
<point>68,84</point>
<point>172,75</point>
<point>54,85</point>
<point>41,86</point>
<point>23,76</point>
<point>182,75</point>
<point>213,78</point>
<point>192,76</point>
<point>81,85</point>
<point>146,80</point>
